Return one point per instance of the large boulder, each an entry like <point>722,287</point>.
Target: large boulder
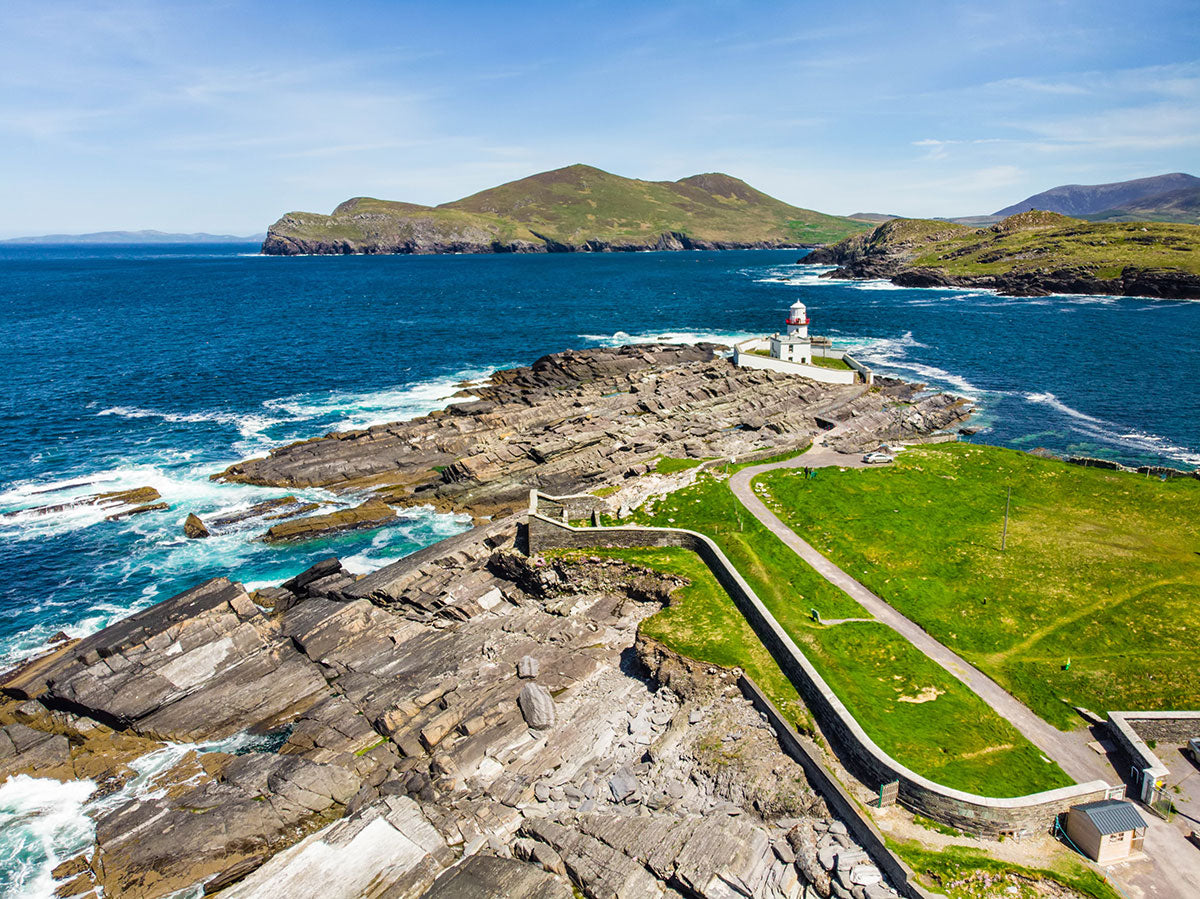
<point>537,705</point>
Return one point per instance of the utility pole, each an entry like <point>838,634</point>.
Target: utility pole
<point>1004,536</point>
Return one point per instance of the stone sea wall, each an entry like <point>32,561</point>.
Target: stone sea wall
<point>981,815</point>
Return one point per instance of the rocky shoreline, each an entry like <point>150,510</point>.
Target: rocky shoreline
<point>464,716</point>
<point>886,257</point>
<point>468,721</point>
<point>594,419</point>
<point>279,242</point>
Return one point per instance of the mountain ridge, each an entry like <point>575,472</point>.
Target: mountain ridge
<point>576,208</point>
<point>1079,200</point>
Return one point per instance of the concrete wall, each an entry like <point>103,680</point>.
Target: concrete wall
<point>1130,730</point>
<point>974,814</point>
<point>815,372</point>
<point>866,373</point>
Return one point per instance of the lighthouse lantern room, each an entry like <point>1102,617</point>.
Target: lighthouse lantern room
<point>794,345</point>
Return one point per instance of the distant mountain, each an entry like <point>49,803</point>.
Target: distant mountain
<point>1181,205</point>
<point>579,208</point>
<point>132,237</point>
<point>1095,199</point>
<point>877,217</point>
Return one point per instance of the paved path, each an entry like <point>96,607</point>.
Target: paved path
<point>1069,750</point>
<point>1170,867</point>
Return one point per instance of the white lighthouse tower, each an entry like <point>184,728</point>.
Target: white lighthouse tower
<point>794,345</point>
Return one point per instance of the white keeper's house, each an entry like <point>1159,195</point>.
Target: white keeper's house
<point>795,352</point>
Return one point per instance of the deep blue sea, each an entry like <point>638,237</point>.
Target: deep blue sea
<point>128,366</point>
<point>132,366</point>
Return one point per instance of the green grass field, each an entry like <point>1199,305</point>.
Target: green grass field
<point>1101,568</point>
<point>912,708</point>
<point>829,362</point>
<point>671,464</point>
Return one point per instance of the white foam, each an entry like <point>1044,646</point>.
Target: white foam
<point>890,354</point>
<point>248,425</point>
<point>622,338</point>
<point>42,823</point>
<point>1117,435</point>
<point>1049,399</point>
<point>364,410</point>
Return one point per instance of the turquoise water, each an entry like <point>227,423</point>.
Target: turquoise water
<point>126,367</point>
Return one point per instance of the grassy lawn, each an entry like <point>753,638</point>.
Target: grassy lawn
<point>1101,568</point>
<point>960,872</point>
<point>670,464</point>
<point>912,708</point>
<point>828,362</point>
<point>702,623</point>
<point>922,716</point>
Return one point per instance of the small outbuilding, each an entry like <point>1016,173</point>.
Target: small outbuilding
<point>1106,831</point>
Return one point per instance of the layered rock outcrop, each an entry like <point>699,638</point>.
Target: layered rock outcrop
<point>577,420</point>
<point>367,736</point>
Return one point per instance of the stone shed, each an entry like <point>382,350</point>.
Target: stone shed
<point>1106,831</point>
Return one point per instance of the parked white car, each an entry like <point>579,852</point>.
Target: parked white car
<point>1194,749</point>
<point>878,458</point>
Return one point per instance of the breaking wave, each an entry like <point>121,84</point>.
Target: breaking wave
<point>621,338</point>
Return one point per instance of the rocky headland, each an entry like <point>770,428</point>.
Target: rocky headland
<point>575,209</point>
<point>470,720</point>
<point>1029,254</point>
<point>597,418</point>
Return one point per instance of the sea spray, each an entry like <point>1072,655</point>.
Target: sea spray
<point>42,823</point>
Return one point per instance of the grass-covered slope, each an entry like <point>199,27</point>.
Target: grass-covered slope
<point>1031,253</point>
<point>913,709</point>
<point>574,208</point>
<point>1101,568</point>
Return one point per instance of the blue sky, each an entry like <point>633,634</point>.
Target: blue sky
<point>222,116</point>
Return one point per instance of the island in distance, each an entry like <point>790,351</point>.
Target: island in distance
<point>120,238</point>
<point>578,208</point>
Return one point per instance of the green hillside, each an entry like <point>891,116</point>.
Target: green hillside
<point>1029,253</point>
<point>574,208</point>
<point>1036,239</point>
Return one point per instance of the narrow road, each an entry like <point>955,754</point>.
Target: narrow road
<point>1069,750</point>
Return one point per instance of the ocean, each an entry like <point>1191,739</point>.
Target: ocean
<point>159,366</point>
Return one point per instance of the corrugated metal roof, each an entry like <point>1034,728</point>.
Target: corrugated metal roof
<point>1112,815</point>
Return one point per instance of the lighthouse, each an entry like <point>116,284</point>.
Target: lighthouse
<point>794,345</point>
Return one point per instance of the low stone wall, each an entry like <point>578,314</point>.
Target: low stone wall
<point>841,803</point>
<point>866,373</point>
<point>980,815</point>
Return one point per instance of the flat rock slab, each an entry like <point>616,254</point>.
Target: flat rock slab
<point>487,877</point>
